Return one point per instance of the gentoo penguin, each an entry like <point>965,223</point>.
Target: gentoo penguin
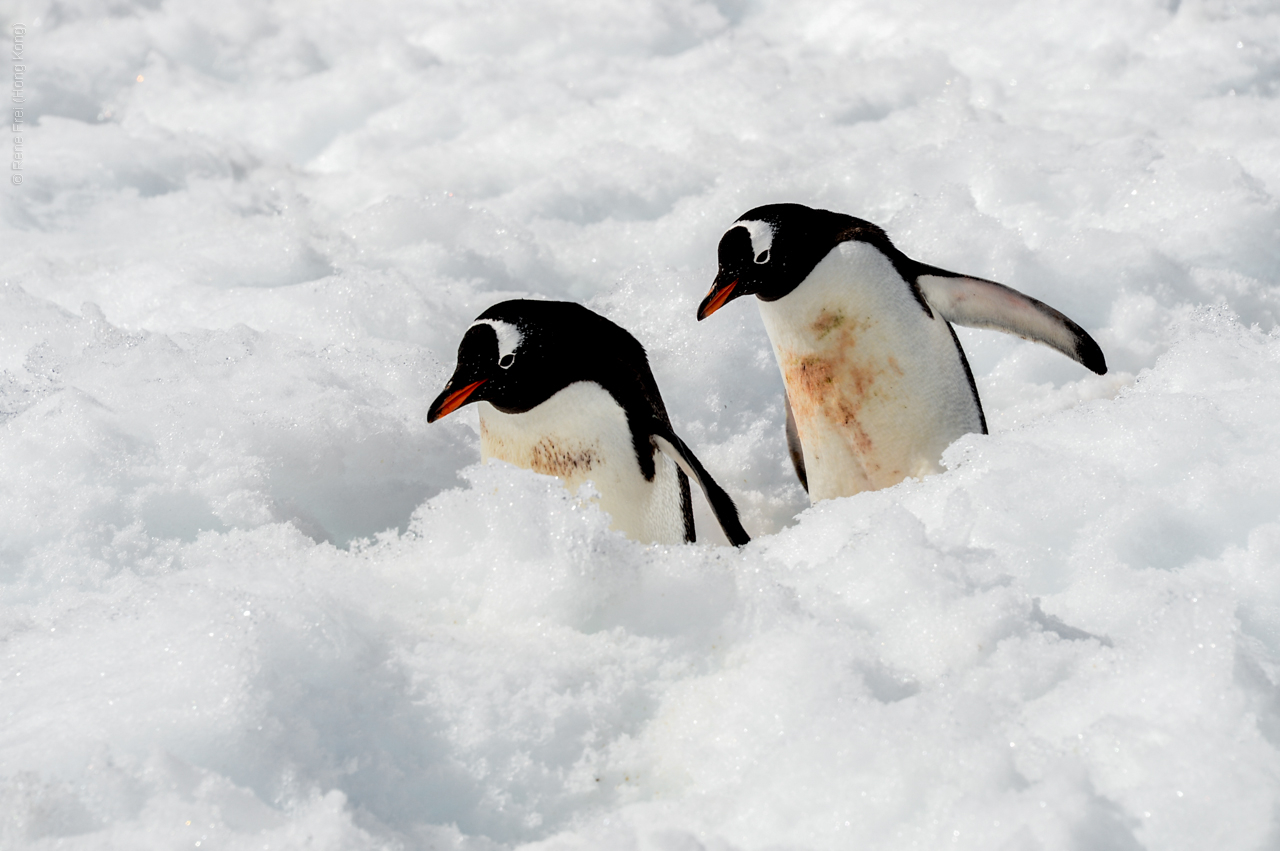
<point>877,384</point>
<point>566,392</point>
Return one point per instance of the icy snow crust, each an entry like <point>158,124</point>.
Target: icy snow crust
<point>251,600</point>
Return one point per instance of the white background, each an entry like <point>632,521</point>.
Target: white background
<point>249,599</point>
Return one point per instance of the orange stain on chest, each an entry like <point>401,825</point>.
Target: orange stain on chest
<point>835,383</point>
<point>547,456</point>
<point>555,459</point>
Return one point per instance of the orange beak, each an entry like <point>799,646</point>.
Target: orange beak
<point>715,300</point>
<point>455,400</point>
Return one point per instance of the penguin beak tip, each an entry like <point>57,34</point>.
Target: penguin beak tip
<point>450,402</point>
<point>716,299</point>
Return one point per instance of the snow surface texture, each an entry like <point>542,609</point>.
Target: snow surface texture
<point>249,599</point>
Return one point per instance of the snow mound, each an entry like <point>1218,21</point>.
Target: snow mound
<point>250,599</point>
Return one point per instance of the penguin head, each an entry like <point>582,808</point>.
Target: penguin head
<point>770,250</point>
<point>500,361</point>
<point>519,353</point>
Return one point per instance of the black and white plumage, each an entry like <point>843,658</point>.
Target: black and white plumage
<point>877,383</point>
<point>566,392</point>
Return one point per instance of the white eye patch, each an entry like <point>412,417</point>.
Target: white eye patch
<point>761,234</point>
<point>509,339</point>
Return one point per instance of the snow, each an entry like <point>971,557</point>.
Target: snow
<point>250,599</point>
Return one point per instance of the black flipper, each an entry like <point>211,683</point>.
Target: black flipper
<point>726,512</point>
<point>794,446</point>
<point>686,508</point>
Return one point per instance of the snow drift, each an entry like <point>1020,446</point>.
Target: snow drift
<point>250,599</point>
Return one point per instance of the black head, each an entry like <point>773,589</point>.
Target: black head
<point>769,250</point>
<point>517,354</point>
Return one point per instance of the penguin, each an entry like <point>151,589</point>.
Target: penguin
<point>877,384</point>
<point>565,392</point>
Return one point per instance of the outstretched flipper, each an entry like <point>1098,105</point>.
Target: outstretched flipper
<point>794,446</point>
<point>976,303</point>
<point>726,512</point>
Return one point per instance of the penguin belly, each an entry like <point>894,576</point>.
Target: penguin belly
<point>878,388</point>
<point>581,434</point>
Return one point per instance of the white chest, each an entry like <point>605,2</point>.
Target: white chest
<point>877,387</point>
<point>581,434</point>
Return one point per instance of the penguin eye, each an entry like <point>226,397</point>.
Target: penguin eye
<point>763,256</point>
<point>506,360</point>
